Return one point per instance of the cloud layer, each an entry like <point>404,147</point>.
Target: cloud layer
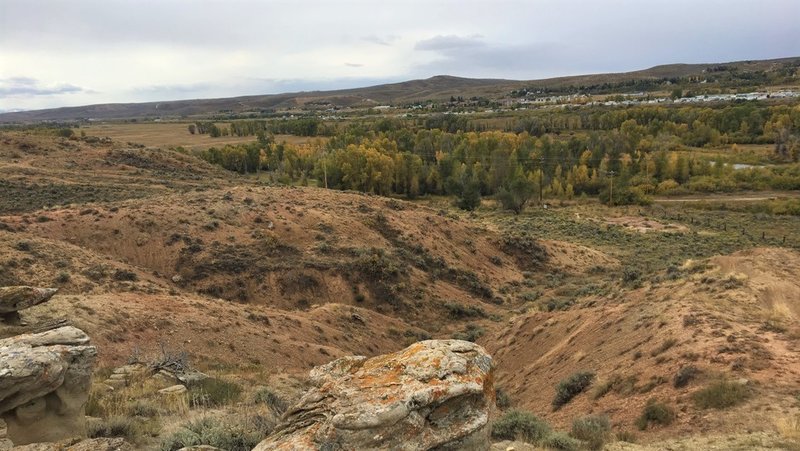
<point>55,53</point>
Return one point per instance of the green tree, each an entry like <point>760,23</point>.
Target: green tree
<point>517,191</point>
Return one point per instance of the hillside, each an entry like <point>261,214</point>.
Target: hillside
<point>156,250</point>
<point>435,88</point>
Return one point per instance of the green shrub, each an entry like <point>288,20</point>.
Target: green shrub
<point>595,430</point>
<point>458,311</point>
<point>520,425</point>
<point>571,387</point>
<point>657,413</point>
<point>562,441</point>
<point>232,435</point>
<point>721,394</point>
<point>470,333</point>
<point>213,392</point>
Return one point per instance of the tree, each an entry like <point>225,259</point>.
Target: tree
<point>517,191</point>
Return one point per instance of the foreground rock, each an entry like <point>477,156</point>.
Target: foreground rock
<point>44,384</point>
<point>14,299</point>
<point>433,394</point>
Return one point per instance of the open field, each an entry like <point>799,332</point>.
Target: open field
<point>171,134</point>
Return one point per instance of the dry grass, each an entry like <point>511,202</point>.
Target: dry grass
<point>173,134</point>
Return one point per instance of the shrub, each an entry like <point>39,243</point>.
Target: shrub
<point>124,275</point>
<point>471,333</point>
<point>657,413</point>
<point>685,375</point>
<point>143,408</point>
<point>502,400</point>
<point>562,441</point>
<point>721,394</point>
<point>595,430</point>
<point>268,397</point>
<point>459,311</point>
<point>520,425</point>
<point>116,426</point>
<point>668,343</point>
<point>571,387</point>
<point>239,434</point>
<point>626,436</point>
<point>212,392</point>
<point>24,246</point>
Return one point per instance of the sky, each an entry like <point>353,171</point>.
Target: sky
<point>57,53</point>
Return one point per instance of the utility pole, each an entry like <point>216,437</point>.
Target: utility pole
<point>325,172</point>
<point>611,188</point>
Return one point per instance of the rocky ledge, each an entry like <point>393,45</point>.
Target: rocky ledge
<point>435,394</point>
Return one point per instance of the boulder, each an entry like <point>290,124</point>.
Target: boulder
<point>175,390</point>
<point>434,394</point>
<point>14,299</point>
<point>44,384</point>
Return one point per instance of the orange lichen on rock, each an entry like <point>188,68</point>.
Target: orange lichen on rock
<point>433,393</point>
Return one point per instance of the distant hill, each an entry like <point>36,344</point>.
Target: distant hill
<point>434,88</point>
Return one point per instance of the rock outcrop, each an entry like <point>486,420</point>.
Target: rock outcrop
<point>44,384</point>
<point>14,299</point>
<point>435,394</point>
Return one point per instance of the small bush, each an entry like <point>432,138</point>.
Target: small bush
<point>471,333</point>
<point>268,397</point>
<point>668,343</point>
<point>24,246</point>
<point>721,394</point>
<point>626,436</point>
<point>124,275</point>
<point>657,413</point>
<point>63,277</point>
<point>143,408</point>
<point>571,387</point>
<point>116,426</point>
<point>502,400</point>
<point>213,392</point>
<point>232,435</point>
<point>520,425</point>
<point>459,311</point>
<point>595,430</point>
<point>685,375</point>
<point>561,441</point>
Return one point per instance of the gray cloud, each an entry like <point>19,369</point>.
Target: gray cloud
<point>132,50</point>
<point>27,86</point>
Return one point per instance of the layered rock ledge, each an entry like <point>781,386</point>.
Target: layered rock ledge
<point>44,384</point>
<point>435,394</point>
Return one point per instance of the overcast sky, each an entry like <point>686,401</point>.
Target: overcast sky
<point>61,53</point>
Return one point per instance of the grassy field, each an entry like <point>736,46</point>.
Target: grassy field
<point>708,232</point>
<point>172,134</point>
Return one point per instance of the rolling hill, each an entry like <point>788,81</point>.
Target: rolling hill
<point>435,88</point>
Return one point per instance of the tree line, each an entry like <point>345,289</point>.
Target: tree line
<point>643,150</point>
